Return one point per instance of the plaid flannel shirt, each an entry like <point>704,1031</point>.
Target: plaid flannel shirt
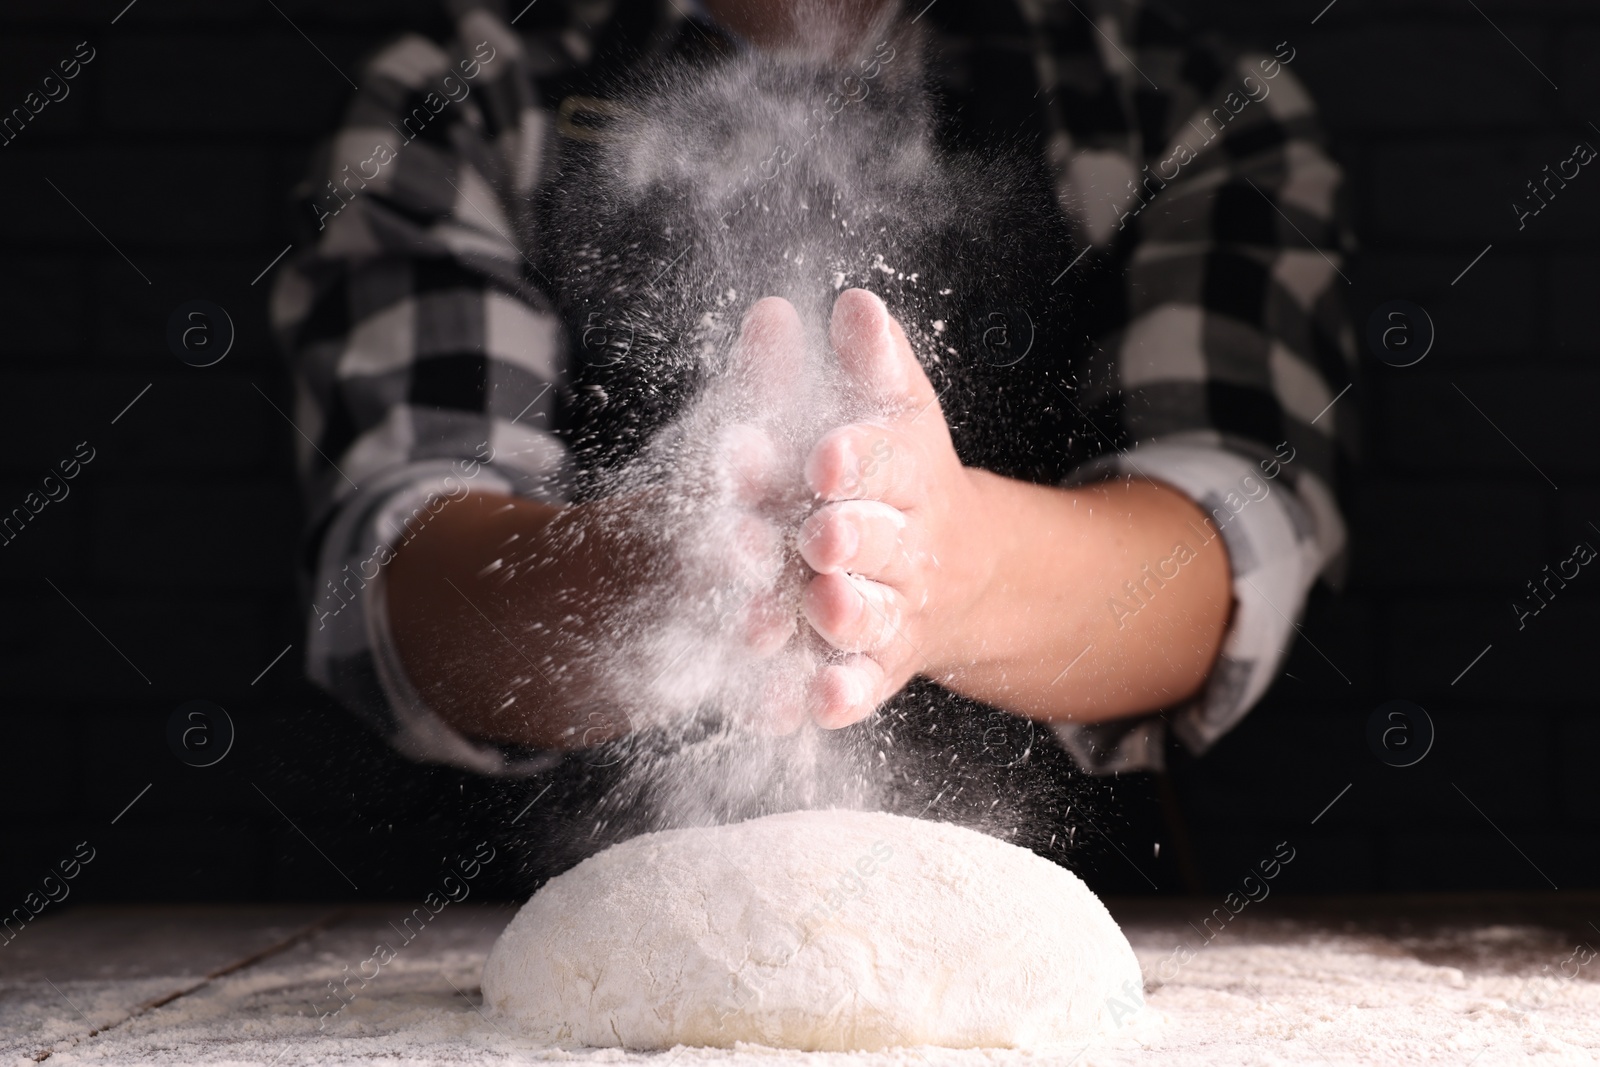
<point>427,357</point>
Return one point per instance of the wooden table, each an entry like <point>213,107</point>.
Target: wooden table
<point>1466,980</point>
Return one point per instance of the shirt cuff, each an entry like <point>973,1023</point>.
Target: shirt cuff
<point>350,647</point>
<point>1282,529</point>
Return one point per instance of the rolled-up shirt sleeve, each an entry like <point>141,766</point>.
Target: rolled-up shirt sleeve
<point>1280,537</point>
<point>1217,201</point>
<point>351,651</point>
<point>426,360</point>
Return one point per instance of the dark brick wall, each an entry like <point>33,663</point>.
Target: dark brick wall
<point>166,574</point>
<point>1439,121</point>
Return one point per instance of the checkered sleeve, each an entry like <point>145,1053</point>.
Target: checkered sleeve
<point>1218,199</point>
<point>426,359</point>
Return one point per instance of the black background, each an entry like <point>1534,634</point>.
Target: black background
<point>167,574</point>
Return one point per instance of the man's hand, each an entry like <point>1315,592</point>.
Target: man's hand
<point>751,492</point>
<point>992,587</point>
<point>504,608</point>
<point>899,544</point>
<point>995,588</point>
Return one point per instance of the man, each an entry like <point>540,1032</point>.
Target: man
<point>1154,583</point>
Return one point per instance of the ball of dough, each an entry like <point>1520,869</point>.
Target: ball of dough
<point>816,930</point>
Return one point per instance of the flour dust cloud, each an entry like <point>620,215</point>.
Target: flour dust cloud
<point>709,185</point>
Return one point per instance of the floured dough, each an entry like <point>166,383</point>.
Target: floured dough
<point>818,930</point>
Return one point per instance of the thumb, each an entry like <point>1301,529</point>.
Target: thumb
<point>874,352</point>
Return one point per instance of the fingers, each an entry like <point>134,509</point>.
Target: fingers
<point>847,692</point>
<point>865,462</point>
<point>875,353</point>
<point>747,467</point>
<point>784,707</point>
<point>766,358</point>
<point>856,541</point>
<point>853,614</point>
<point>861,617</point>
<point>769,355</point>
<point>752,552</point>
<point>750,561</point>
<point>766,626</point>
<point>863,537</point>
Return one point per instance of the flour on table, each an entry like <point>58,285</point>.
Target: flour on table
<point>816,930</point>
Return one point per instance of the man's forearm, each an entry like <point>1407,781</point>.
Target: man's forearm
<point>464,635</point>
<point>1099,602</point>
<point>1104,601</point>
